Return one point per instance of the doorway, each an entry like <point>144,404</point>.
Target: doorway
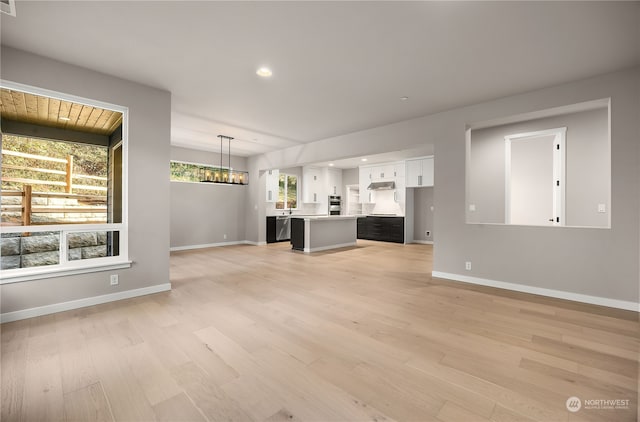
<point>535,178</point>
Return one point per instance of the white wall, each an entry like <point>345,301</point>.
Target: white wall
<point>422,213</point>
<point>206,213</point>
<point>149,138</point>
<point>350,177</point>
<point>595,262</point>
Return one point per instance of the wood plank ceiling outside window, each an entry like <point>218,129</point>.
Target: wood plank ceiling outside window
<point>44,111</point>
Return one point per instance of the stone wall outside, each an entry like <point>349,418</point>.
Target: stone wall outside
<point>38,249</point>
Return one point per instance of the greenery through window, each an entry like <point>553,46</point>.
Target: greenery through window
<point>185,172</point>
<point>287,191</point>
<point>66,181</point>
<point>192,172</point>
<point>88,160</point>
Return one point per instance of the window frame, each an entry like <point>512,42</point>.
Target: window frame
<point>286,175</point>
<point>64,266</point>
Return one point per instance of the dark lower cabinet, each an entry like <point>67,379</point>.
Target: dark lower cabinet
<point>385,229</point>
<point>297,234</point>
<point>363,228</point>
<point>271,229</point>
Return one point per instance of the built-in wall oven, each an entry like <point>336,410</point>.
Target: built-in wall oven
<point>335,205</point>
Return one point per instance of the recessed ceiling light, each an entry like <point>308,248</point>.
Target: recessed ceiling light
<point>363,159</point>
<point>330,164</point>
<point>404,98</point>
<point>66,119</point>
<point>264,72</point>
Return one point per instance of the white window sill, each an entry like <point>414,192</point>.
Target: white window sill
<point>51,271</point>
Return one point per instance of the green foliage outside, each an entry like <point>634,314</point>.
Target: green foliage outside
<point>89,160</point>
<point>188,172</point>
<point>287,188</point>
<point>184,172</point>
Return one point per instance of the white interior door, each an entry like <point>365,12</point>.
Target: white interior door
<point>534,193</point>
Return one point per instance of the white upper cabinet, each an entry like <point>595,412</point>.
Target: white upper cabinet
<point>273,177</point>
<point>399,169</point>
<point>400,192</point>
<point>333,178</point>
<point>364,182</point>
<point>313,187</point>
<point>382,172</point>
<point>419,172</point>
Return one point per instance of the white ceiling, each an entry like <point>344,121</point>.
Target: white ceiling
<point>339,67</point>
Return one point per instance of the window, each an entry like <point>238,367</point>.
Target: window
<point>184,172</point>
<point>192,172</point>
<point>287,192</point>
<point>63,185</point>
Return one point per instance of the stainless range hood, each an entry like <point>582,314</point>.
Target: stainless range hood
<point>382,186</point>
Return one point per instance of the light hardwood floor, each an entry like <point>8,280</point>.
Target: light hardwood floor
<point>266,334</point>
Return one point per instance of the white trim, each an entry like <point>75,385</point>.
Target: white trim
<point>423,242</point>
<point>63,227</point>
<point>215,245</point>
<point>559,294</point>
<point>9,8</point>
<point>324,248</point>
<point>38,273</point>
<point>559,172</point>
<point>507,180</point>
<point>82,303</point>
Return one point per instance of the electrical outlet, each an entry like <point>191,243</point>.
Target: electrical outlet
<point>114,279</point>
<point>472,207</point>
<point>467,265</point>
<point>602,208</point>
<point>225,236</point>
<point>427,233</point>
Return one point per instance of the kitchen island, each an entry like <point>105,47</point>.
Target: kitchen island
<point>320,233</point>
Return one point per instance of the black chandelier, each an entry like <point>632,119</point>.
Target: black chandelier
<point>221,174</point>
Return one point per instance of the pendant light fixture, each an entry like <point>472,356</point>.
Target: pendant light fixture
<point>221,174</point>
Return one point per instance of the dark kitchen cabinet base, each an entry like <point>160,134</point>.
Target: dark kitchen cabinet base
<point>271,229</point>
<point>384,229</point>
<point>297,234</point>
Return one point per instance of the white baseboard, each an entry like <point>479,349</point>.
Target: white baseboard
<point>215,245</point>
<point>559,294</point>
<point>423,242</point>
<point>325,248</point>
<point>81,303</point>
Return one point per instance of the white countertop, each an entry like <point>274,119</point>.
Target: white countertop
<point>326,217</point>
<point>297,215</point>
